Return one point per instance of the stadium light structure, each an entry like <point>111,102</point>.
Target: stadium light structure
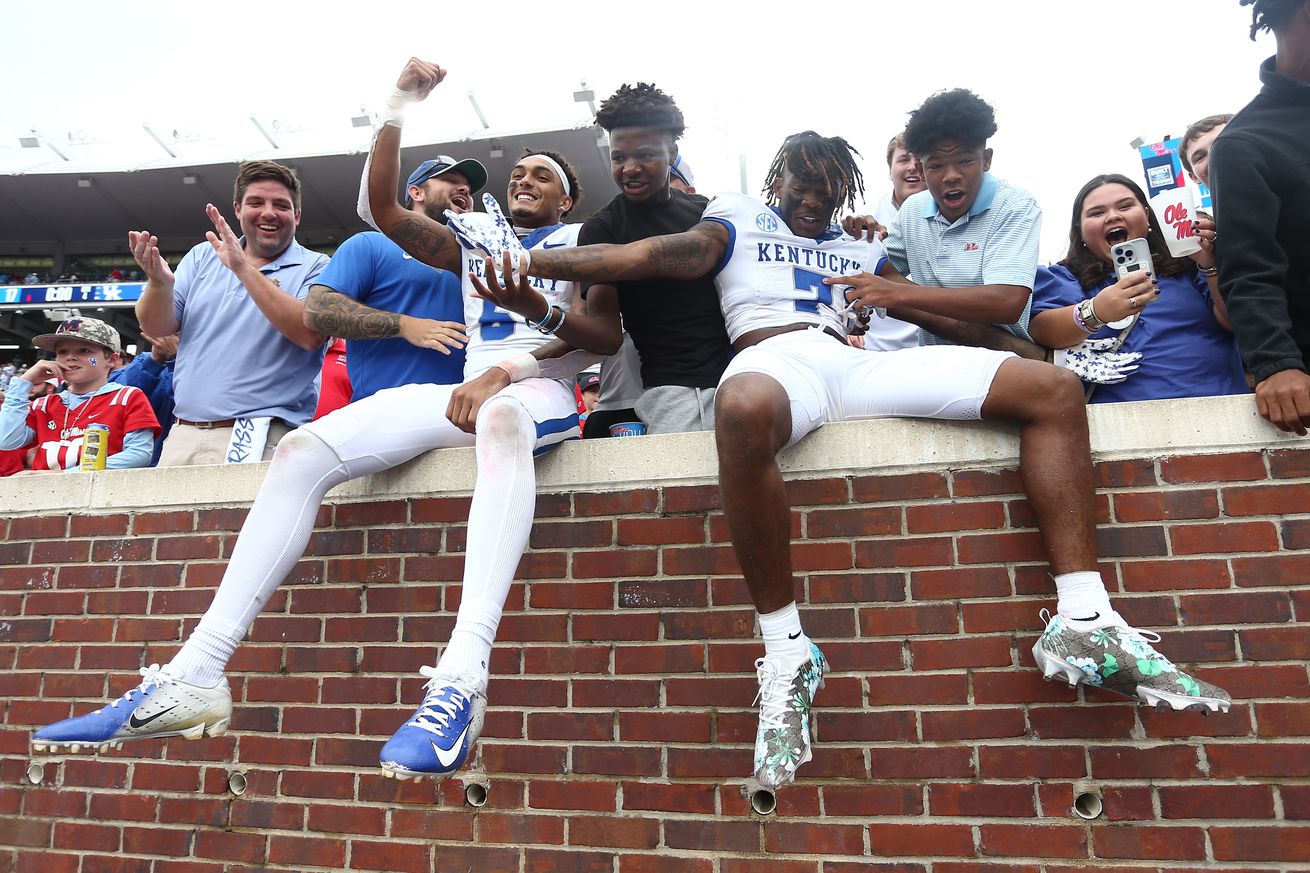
<point>36,140</point>
<point>189,178</point>
<point>478,109</point>
<point>496,150</point>
<point>159,140</point>
<point>254,119</point>
<point>586,95</point>
<point>84,181</point>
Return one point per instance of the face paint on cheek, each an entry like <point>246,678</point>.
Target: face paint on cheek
<point>93,362</point>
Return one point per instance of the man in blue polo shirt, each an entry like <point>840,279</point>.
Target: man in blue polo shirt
<point>245,355</point>
<point>396,313</point>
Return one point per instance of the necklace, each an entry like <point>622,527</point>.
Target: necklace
<point>81,408</point>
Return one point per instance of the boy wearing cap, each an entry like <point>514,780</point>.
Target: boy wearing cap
<point>86,351</point>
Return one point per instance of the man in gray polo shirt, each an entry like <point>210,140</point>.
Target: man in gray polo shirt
<point>246,362</point>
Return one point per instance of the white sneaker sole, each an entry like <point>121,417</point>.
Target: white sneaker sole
<point>1051,666</point>
<point>194,732</point>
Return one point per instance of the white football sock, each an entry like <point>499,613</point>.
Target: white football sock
<point>500,522</point>
<point>272,539</point>
<point>783,636</point>
<point>1082,596</point>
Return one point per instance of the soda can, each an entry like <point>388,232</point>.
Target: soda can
<point>95,446</point>
<point>627,429</point>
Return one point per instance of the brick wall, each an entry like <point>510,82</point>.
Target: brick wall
<point>621,723</point>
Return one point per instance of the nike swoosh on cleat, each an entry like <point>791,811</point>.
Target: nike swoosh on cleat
<point>447,757</point>
<point>140,723</point>
<point>794,636</point>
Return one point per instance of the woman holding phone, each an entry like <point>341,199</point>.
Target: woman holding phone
<point>1177,323</point>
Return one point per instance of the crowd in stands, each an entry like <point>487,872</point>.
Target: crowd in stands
<point>755,318</point>
<point>34,278</point>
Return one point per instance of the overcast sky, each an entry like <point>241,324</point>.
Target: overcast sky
<point>1072,82</point>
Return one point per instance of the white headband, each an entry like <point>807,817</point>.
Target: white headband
<point>554,165</point>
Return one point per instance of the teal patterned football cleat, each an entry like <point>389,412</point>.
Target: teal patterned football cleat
<point>1112,655</point>
<point>786,697</point>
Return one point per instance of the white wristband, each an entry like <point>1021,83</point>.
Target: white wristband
<point>520,367</point>
<point>394,111</point>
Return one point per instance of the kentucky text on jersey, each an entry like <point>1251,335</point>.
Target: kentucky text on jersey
<point>820,260</point>
<point>545,286</point>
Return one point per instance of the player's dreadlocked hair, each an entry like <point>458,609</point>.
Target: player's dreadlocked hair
<point>1270,15</point>
<point>958,114</point>
<point>810,156</point>
<point>570,172</point>
<point>641,105</point>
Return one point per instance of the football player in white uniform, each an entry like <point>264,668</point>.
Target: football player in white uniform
<point>508,423</point>
<point>783,274</point>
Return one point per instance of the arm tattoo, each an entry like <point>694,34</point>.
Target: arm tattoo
<point>334,314</point>
<point>685,256</point>
<point>426,240</point>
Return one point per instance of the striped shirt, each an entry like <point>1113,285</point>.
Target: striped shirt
<point>994,244</point>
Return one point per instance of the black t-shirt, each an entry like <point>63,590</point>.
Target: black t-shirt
<point>677,326</point>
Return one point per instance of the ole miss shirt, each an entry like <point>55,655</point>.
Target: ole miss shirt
<point>59,431</point>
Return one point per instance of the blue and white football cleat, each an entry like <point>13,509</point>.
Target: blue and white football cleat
<point>438,740</point>
<point>161,706</point>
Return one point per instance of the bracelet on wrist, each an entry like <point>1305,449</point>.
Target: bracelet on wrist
<point>552,321</point>
<point>1087,312</point>
<point>1209,271</point>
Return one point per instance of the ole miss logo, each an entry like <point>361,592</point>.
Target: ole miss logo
<point>971,247</point>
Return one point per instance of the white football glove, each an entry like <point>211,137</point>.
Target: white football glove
<point>488,234</point>
<point>1092,361</point>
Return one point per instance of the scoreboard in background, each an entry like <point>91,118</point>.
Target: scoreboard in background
<point>34,296</point>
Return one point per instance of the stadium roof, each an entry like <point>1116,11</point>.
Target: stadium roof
<point>73,203</point>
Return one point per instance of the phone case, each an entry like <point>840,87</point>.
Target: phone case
<point>1131,257</point>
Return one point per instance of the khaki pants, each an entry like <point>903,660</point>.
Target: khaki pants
<point>189,446</point>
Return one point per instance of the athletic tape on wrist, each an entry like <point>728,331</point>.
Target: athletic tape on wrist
<point>520,367</point>
<point>393,113</point>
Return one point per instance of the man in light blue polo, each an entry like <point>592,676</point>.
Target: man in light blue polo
<point>970,239</point>
<point>246,362</point>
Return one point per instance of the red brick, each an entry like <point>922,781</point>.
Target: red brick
<point>615,565</point>
<point>856,587</point>
<point>1280,571</point>
<point>1125,474</point>
<point>186,548</point>
<point>946,762</point>
<point>1155,762</point>
<point>615,502</point>
<point>979,483</point>
<point>1261,843</point>
<point>1031,762</point>
<point>1033,840</point>
<point>573,595</point>
<point>1175,575</point>
<point>1275,643</point>
<point>1283,719</point>
<point>961,652</point>
<point>660,531</point>
<point>86,837</point>
<point>972,515</point>
<point>661,659</point>
<point>1141,506</point>
<point>1197,539</point>
<point>1216,801</point>
<point>621,833</point>
<point>1247,607</point>
<point>157,841</point>
<point>574,534</point>
<point>1064,722</point>
<point>1248,761</point>
<point>909,486</point>
<point>98,525</point>
<point>956,584</point>
<point>693,798</point>
<point>1243,466</point>
<point>946,725</point>
<point>1001,548</point>
<point>981,799</point>
<point>1266,500</point>
<point>712,835</point>
<point>850,523</point>
<point>31,527</point>
<point>391,856</point>
<point>144,523</point>
<point>309,851</point>
<point>897,554</point>
<point>882,621</point>
<point>61,551</point>
<point>918,689</point>
<point>917,840</point>
<point>802,838</point>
